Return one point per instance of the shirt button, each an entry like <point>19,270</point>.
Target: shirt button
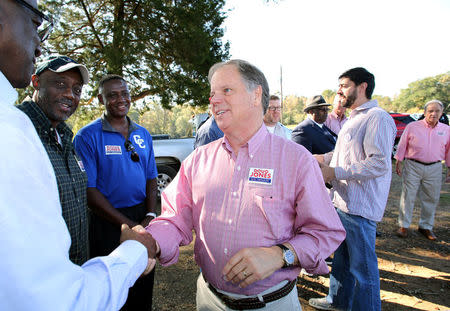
<point>234,194</point>
<point>239,168</point>
<point>251,156</point>
<point>225,251</point>
<point>230,221</point>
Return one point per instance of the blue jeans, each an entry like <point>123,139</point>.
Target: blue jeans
<point>354,279</point>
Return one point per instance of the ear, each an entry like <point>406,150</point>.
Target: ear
<point>100,99</point>
<point>35,82</point>
<point>257,96</point>
<point>362,88</point>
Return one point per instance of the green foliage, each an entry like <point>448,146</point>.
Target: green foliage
<point>385,102</point>
<point>293,110</point>
<point>420,92</point>
<point>329,95</point>
<point>163,48</point>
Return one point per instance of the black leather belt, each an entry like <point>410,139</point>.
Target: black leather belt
<point>252,303</point>
<point>423,163</point>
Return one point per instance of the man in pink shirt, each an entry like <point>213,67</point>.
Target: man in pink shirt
<point>422,147</point>
<point>258,215</point>
<point>336,119</point>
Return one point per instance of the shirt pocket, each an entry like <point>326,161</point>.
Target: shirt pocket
<point>270,207</point>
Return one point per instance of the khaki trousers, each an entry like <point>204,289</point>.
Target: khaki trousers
<point>426,181</point>
<point>207,301</point>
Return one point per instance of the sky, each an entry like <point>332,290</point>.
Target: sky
<point>314,41</point>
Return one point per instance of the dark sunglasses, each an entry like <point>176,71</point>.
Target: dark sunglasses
<point>129,147</point>
<point>47,22</point>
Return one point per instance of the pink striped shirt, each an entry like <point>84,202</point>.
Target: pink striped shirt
<point>334,123</point>
<point>214,195</point>
<point>362,161</point>
<point>422,142</point>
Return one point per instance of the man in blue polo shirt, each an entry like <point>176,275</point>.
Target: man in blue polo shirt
<point>120,165</point>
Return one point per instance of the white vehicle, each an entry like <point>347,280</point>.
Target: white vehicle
<point>169,153</point>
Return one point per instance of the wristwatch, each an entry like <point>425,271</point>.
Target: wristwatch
<point>288,256</point>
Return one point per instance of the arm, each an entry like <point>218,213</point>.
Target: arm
<point>151,189</point>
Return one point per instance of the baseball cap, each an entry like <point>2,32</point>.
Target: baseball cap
<point>59,63</point>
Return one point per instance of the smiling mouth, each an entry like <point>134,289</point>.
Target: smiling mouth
<point>220,112</point>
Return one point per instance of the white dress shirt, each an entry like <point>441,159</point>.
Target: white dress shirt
<point>35,270</point>
<point>280,130</point>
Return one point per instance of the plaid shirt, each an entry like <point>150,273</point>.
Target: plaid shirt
<point>71,179</point>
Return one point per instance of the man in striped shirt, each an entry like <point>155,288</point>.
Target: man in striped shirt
<point>422,147</point>
<point>360,172</point>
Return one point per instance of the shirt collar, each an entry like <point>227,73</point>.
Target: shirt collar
<point>106,126</point>
<point>427,125</point>
<point>366,106</point>
<point>8,94</point>
<point>253,143</point>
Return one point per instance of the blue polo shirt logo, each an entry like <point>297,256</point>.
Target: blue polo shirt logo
<point>113,149</point>
<point>139,141</point>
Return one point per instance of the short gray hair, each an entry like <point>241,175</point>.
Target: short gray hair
<point>433,101</point>
<point>251,76</point>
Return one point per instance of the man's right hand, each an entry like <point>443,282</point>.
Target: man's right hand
<point>398,167</point>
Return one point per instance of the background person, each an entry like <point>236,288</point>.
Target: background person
<point>336,119</point>
<point>422,147</point>
<point>58,83</point>
<point>226,192</point>
<point>207,132</point>
<point>272,118</point>
<point>312,133</point>
<point>120,165</point>
<point>36,271</point>
<point>360,172</point>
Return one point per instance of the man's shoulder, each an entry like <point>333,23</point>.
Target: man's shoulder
<point>93,126</point>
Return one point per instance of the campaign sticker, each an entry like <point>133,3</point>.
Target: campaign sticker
<point>112,149</point>
<point>81,165</point>
<point>260,176</point>
<point>440,133</point>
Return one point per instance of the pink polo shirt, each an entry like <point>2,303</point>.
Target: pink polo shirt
<point>271,192</point>
<point>335,123</point>
<point>424,143</point>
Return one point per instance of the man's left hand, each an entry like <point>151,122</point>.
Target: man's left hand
<point>252,264</point>
<point>327,172</point>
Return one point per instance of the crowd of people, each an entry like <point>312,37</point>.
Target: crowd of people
<point>79,223</point>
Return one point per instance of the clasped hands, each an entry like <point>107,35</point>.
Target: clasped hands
<point>138,233</point>
<point>327,171</point>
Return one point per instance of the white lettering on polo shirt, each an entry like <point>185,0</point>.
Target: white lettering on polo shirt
<point>113,149</point>
<point>138,140</point>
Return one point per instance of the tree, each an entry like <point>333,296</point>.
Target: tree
<point>420,92</point>
<point>163,48</point>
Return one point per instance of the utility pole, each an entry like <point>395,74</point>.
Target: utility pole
<point>281,91</point>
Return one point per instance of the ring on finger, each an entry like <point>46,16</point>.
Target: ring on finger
<point>245,274</point>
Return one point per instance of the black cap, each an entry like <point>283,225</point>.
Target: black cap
<point>59,63</point>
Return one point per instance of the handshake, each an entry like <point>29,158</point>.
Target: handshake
<point>138,233</point>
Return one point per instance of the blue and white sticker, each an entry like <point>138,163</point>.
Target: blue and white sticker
<point>262,176</point>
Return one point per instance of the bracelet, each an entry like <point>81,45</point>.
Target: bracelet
<point>151,214</point>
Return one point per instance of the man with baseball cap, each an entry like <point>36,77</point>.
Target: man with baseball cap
<point>57,84</point>
<point>312,133</point>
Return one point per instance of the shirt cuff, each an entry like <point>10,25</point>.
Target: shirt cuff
<point>340,173</point>
<point>134,254</point>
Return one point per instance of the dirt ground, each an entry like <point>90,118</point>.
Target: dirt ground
<point>414,272</point>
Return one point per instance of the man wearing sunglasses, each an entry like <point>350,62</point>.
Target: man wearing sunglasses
<point>120,164</point>
<point>272,118</point>
<point>312,133</point>
<point>36,272</point>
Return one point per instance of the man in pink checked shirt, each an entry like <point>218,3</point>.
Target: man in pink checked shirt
<point>422,147</point>
<point>256,201</point>
<point>336,119</point>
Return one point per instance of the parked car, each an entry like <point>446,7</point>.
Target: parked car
<point>169,153</point>
<point>401,120</point>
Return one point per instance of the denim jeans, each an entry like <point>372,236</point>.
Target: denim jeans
<point>354,279</point>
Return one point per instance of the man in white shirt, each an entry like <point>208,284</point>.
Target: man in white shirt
<point>273,116</point>
<point>34,241</point>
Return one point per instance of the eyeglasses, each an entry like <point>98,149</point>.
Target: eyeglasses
<point>46,26</point>
<point>274,108</point>
<point>129,147</point>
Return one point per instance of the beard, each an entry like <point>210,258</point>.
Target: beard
<point>350,99</point>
